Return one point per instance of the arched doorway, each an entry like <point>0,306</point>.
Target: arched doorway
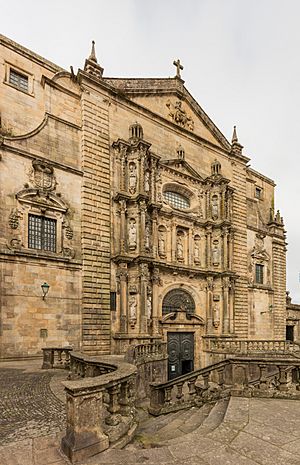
<point>180,344</point>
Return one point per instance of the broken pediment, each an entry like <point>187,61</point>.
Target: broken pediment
<point>42,199</point>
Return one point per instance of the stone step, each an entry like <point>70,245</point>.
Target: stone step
<point>214,418</point>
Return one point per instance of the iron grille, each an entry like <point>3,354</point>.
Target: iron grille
<point>177,200</point>
<point>41,233</point>
<point>18,80</point>
<point>176,300</point>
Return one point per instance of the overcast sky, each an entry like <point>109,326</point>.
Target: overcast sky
<point>241,63</point>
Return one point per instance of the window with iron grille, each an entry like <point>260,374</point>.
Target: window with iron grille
<point>176,300</point>
<point>177,200</point>
<point>18,80</point>
<point>259,274</point>
<point>41,233</point>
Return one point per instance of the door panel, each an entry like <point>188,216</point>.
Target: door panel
<point>181,354</point>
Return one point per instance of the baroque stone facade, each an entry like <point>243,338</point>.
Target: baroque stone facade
<point>145,221</point>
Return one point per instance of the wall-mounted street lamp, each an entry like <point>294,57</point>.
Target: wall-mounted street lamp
<point>45,289</point>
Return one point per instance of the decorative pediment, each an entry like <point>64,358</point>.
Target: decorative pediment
<point>183,167</point>
<point>42,199</point>
<point>182,317</point>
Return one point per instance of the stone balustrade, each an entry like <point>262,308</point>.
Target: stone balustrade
<point>100,406</point>
<point>255,377</point>
<point>56,357</point>
<point>151,360</point>
<point>154,350</point>
<point>249,347</point>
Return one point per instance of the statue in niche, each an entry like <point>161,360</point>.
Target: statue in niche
<point>132,178</point>
<point>161,245</point>
<point>147,236</point>
<point>179,248</point>
<point>132,235</point>
<point>149,306</point>
<point>147,181</point>
<point>215,253</point>
<point>215,207</point>
<point>197,250</point>
<point>216,316</point>
<point>132,310</point>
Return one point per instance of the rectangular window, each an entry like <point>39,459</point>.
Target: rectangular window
<point>41,233</point>
<point>258,193</point>
<point>259,274</point>
<point>113,301</point>
<point>18,80</point>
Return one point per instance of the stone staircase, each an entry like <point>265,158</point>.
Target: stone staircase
<point>156,437</point>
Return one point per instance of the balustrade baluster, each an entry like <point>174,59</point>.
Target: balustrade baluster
<point>168,395</point>
<point>283,380</point>
<point>221,380</point>
<point>126,405</point>
<point>262,376</point>
<point>192,388</point>
<point>179,395</point>
<point>205,377</point>
<point>113,407</point>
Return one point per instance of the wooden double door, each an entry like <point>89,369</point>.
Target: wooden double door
<point>181,354</point>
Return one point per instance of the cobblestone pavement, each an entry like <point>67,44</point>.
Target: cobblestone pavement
<point>28,407</point>
<point>252,431</point>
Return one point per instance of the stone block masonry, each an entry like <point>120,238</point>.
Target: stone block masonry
<point>95,227</point>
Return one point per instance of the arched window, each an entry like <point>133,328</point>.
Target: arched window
<point>177,200</point>
<point>176,300</point>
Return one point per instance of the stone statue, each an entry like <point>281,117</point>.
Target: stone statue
<point>132,178</point>
<point>161,245</point>
<point>214,208</point>
<point>216,316</point>
<point>196,250</point>
<point>132,235</point>
<point>147,181</point>
<point>179,248</point>
<point>132,310</point>
<point>147,237</point>
<point>149,306</point>
<point>215,253</point>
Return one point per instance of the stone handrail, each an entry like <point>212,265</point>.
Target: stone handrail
<point>239,376</point>
<point>56,357</point>
<point>100,406</point>
<point>142,352</point>
<point>246,346</point>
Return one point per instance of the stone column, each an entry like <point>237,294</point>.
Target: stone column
<point>225,248</point>
<point>144,281</point>
<point>231,305</point>
<point>173,242</point>
<point>226,316</point>
<point>208,247</point>
<point>209,304</point>
<point>190,247</point>
<point>123,235</point>
<point>156,282</point>
<point>122,275</point>
<point>230,250</point>
<point>155,234</point>
<point>142,225</point>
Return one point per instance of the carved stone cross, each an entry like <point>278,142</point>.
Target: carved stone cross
<point>178,67</point>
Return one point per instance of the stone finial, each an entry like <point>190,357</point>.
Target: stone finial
<point>236,147</point>
<point>92,56</point>
<point>91,65</point>
<point>234,136</point>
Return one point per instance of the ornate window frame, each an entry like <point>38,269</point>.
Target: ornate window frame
<point>40,200</point>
